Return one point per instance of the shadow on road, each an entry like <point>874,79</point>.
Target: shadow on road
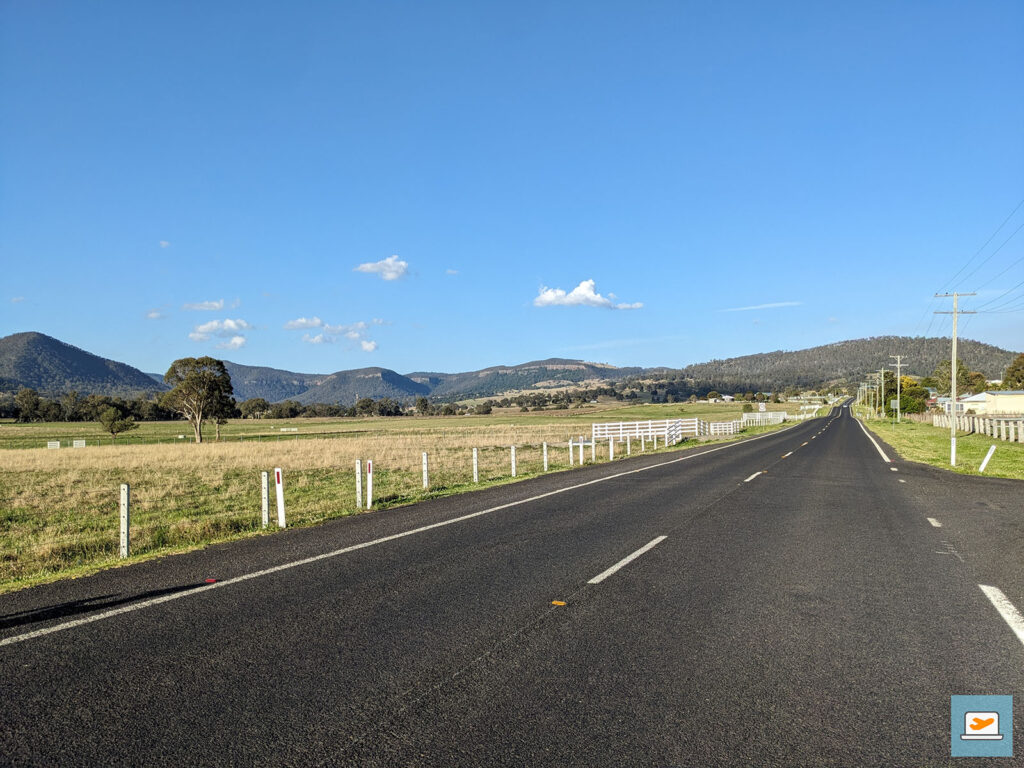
<point>75,607</point>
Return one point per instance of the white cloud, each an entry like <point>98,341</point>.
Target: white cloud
<point>304,322</point>
<point>451,271</point>
<point>390,268</point>
<point>235,342</point>
<point>212,306</point>
<point>773,305</point>
<point>154,314</point>
<point>165,244</point>
<point>17,299</point>
<point>583,295</point>
<point>329,334</point>
<point>223,328</point>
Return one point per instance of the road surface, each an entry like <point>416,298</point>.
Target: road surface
<point>798,601</point>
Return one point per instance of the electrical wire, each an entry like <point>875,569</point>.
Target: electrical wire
<point>984,246</point>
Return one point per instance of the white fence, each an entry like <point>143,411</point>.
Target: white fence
<point>1010,428</point>
<point>674,430</point>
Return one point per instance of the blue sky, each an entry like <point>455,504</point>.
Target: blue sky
<point>634,183</point>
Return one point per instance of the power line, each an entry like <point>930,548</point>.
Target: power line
<point>985,245</point>
<point>997,250</point>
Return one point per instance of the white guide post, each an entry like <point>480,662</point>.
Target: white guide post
<point>581,450</point>
<point>611,449</point>
<point>593,449</point>
<point>545,447</point>
<point>125,520</point>
<point>629,447</point>
<point>655,442</point>
<point>426,478</point>
<point>476,465</point>
<point>279,487</point>
<point>987,457</point>
<point>513,461</point>
<point>643,444</point>
<point>369,483</point>
<point>265,498</point>
<point>571,459</point>
<point>359,484</point>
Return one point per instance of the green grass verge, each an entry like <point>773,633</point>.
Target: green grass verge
<point>930,445</point>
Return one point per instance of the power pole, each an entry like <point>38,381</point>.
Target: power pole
<point>881,393</point>
<point>899,364</point>
<point>952,372</point>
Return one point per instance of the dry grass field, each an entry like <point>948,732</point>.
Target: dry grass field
<point>59,508</point>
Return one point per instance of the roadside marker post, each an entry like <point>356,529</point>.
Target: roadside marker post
<point>279,487</point>
<point>476,465</point>
<point>629,447</point>
<point>513,461</point>
<point>643,444</point>
<point>987,457</point>
<point>125,520</point>
<point>655,442</point>
<point>359,484</point>
<point>369,483</point>
<point>426,477</point>
<point>611,449</point>
<point>545,446</point>
<point>571,460</point>
<point>265,497</point>
<point>581,450</point>
<point>593,449</point>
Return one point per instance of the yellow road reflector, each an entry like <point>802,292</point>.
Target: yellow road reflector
<point>557,602</point>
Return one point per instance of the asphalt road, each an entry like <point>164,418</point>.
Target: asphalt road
<point>807,615</point>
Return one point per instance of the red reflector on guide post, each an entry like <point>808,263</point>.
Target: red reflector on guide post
<point>277,475</point>
<point>211,581</point>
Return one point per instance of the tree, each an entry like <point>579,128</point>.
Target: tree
<point>114,422</point>
<point>200,387</point>
<point>365,406</point>
<point>422,406</point>
<point>1014,376</point>
<point>71,405</point>
<point>713,395</point>
<point>27,403</point>
<point>223,409</point>
<point>941,377</point>
<point>254,408</point>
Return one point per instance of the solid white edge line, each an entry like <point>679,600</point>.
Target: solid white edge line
<point>626,560</point>
<point>787,455</point>
<point>934,522</point>
<point>868,434</point>
<point>751,477</point>
<point>344,550</point>
<point>1006,609</point>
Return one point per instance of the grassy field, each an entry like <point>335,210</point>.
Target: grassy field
<point>930,445</point>
<point>13,435</point>
<point>59,508</point>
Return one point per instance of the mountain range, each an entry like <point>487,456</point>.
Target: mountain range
<point>52,367</point>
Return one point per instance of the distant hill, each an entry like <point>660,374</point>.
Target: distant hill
<point>843,361</point>
<point>271,384</point>
<point>502,378</point>
<point>52,367</point>
<point>345,387</point>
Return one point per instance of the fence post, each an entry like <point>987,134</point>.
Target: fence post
<point>545,457</point>
<point>265,498</point>
<point>426,478</point>
<point>279,487</point>
<point>611,449</point>
<point>125,520</point>
<point>359,484</point>
<point>369,483</point>
<point>513,461</point>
